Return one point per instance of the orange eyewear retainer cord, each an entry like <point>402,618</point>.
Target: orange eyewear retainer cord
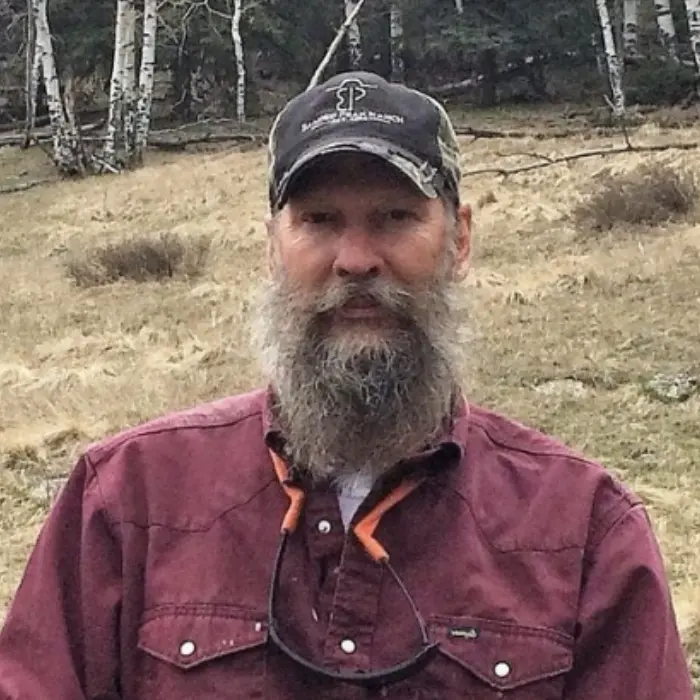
<point>365,529</point>
<point>294,493</point>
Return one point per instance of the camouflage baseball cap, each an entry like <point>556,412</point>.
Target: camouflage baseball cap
<point>360,111</point>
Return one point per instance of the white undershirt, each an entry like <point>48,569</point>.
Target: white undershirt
<point>351,492</point>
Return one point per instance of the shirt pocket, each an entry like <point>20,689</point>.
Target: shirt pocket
<point>202,652</point>
<point>489,659</point>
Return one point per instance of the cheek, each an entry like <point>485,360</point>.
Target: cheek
<point>306,263</point>
<point>419,261</point>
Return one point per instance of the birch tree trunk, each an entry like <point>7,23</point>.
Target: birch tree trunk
<point>692,8</point>
<point>32,77</point>
<point>333,46</point>
<point>614,63</point>
<point>459,6</point>
<point>631,29</point>
<point>397,42</point>
<point>66,154</point>
<point>354,37</point>
<point>240,59</point>
<point>146,76</point>
<point>667,29</point>
<point>115,116</point>
<point>130,96</point>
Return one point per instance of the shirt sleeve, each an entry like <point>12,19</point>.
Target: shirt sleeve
<point>628,645</point>
<point>60,637</point>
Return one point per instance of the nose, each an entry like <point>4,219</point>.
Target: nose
<point>357,255</point>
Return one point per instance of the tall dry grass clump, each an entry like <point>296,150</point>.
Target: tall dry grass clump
<point>649,195</point>
<point>140,259</point>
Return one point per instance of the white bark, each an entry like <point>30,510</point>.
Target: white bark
<point>459,6</point>
<point>129,78</point>
<point>240,59</point>
<point>146,76</point>
<point>397,42</point>
<point>115,115</point>
<point>330,52</point>
<point>667,29</point>
<point>63,155</point>
<point>631,28</point>
<point>354,37</point>
<point>614,63</point>
<point>33,75</point>
<point>692,8</point>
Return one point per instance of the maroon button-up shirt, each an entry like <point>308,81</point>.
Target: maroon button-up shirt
<point>536,572</point>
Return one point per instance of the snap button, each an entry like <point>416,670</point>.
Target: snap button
<point>324,527</point>
<point>187,648</point>
<point>348,646</point>
<point>502,669</point>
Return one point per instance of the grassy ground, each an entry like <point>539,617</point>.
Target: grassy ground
<point>568,325</point>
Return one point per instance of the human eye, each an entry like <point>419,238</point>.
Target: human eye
<point>317,218</point>
<point>399,215</point>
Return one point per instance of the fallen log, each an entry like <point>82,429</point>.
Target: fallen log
<point>182,142</point>
<point>18,138</point>
<point>23,186</point>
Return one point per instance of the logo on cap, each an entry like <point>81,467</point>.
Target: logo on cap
<point>349,93</point>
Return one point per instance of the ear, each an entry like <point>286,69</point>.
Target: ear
<point>464,241</point>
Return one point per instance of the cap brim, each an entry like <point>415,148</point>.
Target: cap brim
<point>420,174</point>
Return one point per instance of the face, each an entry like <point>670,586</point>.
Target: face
<point>357,328</point>
<point>353,217</point>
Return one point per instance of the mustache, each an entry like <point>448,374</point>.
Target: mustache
<point>384,294</point>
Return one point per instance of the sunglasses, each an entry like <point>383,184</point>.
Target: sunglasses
<point>364,531</point>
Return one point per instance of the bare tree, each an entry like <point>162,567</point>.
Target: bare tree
<point>614,63</point>
<point>330,52</point>
<point>240,59</point>
<point>354,36</point>
<point>124,34</point>
<point>67,147</point>
<point>33,75</point>
<point>667,28</point>
<point>396,39</point>
<point>129,87</point>
<point>146,79</point>
<point>631,29</point>
<point>692,8</point>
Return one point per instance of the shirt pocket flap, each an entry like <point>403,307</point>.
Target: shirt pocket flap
<point>188,639</point>
<point>502,654</point>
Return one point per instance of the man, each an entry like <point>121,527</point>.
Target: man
<point>357,529</point>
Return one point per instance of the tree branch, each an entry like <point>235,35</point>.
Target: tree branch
<point>476,133</point>
<point>629,148</point>
<point>315,79</point>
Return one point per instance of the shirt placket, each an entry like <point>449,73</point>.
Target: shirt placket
<point>353,616</point>
<point>325,538</point>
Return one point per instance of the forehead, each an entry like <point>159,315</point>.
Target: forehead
<point>359,171</point>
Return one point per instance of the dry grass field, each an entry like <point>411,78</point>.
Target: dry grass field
<point>569,323</point>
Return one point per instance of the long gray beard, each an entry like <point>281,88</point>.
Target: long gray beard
<point>358,403</point>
